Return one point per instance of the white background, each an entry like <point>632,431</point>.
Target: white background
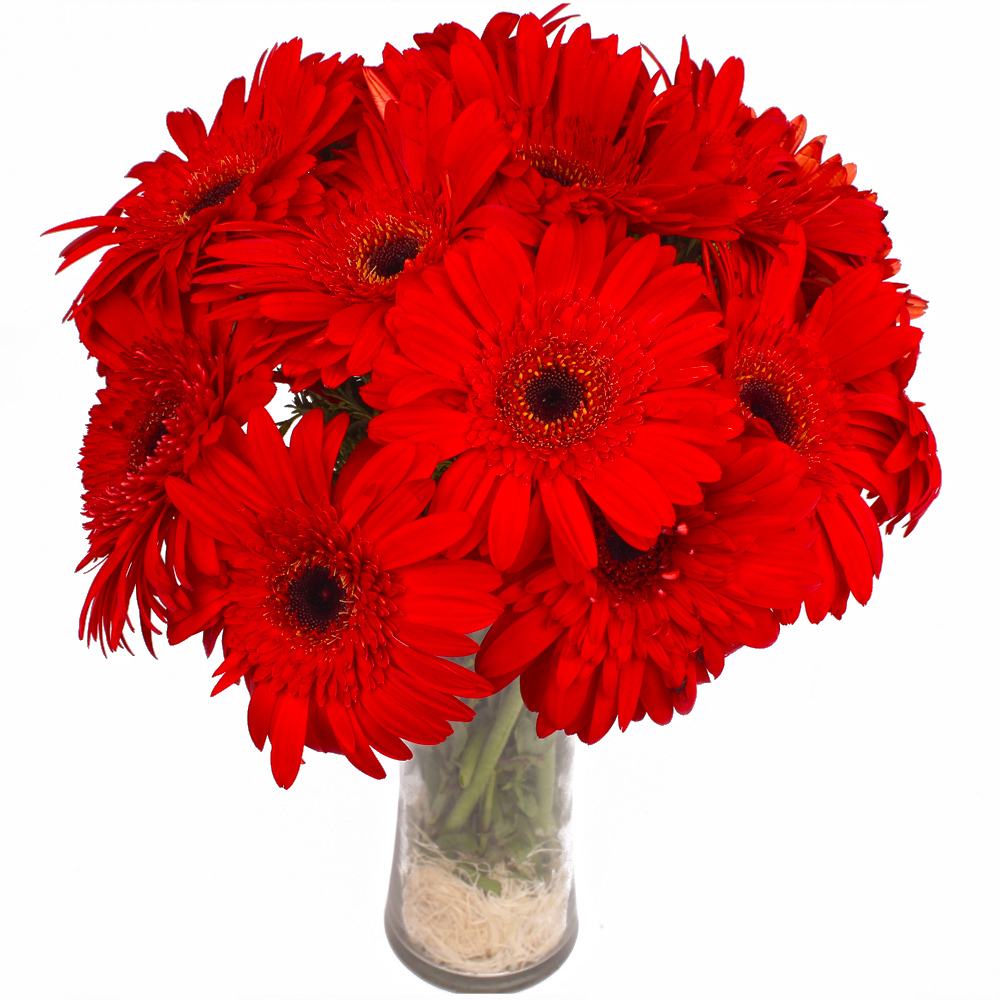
<point>824,824</point>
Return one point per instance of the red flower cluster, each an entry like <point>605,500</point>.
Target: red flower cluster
<point>592,356</point>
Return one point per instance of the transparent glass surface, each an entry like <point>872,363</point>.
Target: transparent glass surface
<point>481,894</point>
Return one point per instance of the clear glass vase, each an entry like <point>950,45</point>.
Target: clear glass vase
<point>481,896</point>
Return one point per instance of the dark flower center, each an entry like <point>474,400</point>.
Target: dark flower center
<point>315,599</point>
<point>215,196</point>
<point>628,570</point>
<point>150,432</point>
<point>554,395</point>
<point>617,550</point>
<point>765,401</point>
<point>390,258</point>
<point>155,436</point>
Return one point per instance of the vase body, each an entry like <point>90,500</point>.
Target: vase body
<point>481,896</point>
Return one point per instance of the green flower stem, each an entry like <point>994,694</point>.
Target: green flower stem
<point>510,708</point>
<point>491,787</point>
<point>470,756</point>
<point>547,790</point>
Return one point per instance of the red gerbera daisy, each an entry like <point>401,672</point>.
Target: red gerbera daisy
<point>251,164</point>
<point>829,386</point>
<point>793,182</point>
<point>332,604</point>
<point>325,288</point>
<point>579,375</point>
<point>167,396</point>
<point>579,115</point>
<point>330,282</point>
<point>788,182</point>
<point>641,630</point>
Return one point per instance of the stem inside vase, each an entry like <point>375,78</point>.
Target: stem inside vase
<point>484,864</point>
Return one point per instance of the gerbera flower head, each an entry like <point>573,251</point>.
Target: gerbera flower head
<point>641,630</point>
<point>578,115</point>
<point>252,164</point>
<point>784,180</point>
<point>415,137</point>
<point>360,253</point>
<point>781,381</point>
<point>415,188</point>
<point>333,602</point>
<point>579,376</point>
<point>167,396</point>
<point>324,287</point>
<point>829,382</point>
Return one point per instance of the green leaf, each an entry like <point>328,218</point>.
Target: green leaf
<point>688,249</point>
<point>440,468</point>
<point>503,827</point>
<point>460,841</point>
<point>528,804</point>
<point>521,845</point>
<point>489,885</point>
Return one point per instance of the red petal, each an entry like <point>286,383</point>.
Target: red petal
<point>559,257</point>
<point>630,272</point>
<point>523,228</point>
<point>379,737</point>
<point>340,723</point>
<point>288,737</point>
<point>271,459</point>
<point>569,520</point>
<point>519,644</point>
<point>849,547</point>
<point>400,507</point>
<point>383,471</point>
<point>440,674</point>
<point>629,684</point>
<point>508,519</point>
<point>362,757</point>
<point>231,480</point>
<point>421,539</point>
<point>502,271</point>
<point>260,710</point>
<point>463,574</point>
<point>455,610</point>
<point>306,452</point>
<point>333,437</point>
<point>620,502</point>
<point>302,306</point>
<point>439,424</point>
<point>202,510</point>
<point>437,641</point>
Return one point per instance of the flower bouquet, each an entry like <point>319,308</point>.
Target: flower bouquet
<point>595,376</point>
